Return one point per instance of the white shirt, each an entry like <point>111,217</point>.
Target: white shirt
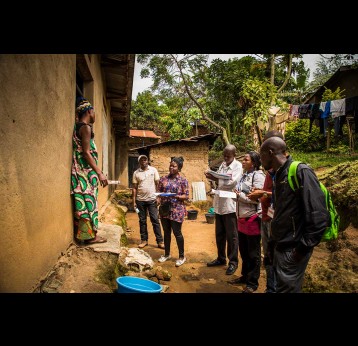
<point>224,205</point>
<point>146,183</point>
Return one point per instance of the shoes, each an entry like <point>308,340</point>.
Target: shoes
<point>216,262</point>
<point>248,290</point>
<point>231,269</point>
<point>143,244</point>
<point>161,245</point>
<point>241,280</point>
<point>163,258</point>
<point>180,261</point>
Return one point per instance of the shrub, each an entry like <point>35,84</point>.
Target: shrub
<point>297,136</point>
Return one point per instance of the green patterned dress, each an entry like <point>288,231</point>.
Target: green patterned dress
<point>84,188</point>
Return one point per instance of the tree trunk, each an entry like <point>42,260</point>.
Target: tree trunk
<point>288,74</point>
<point>203,115</point>
<point>272,65</point>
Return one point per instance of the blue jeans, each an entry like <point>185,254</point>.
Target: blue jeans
<point>270,273</point>
<point>151,208</point>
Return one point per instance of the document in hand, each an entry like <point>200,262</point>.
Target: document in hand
<point>224,176</point>
<point>224,194</point>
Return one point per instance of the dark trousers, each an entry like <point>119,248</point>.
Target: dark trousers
<point>289,273</point>
<point>226,233</point>
<point>250,252</point>
<point>267,246</point>
<point>151,208</point>
<point>169,225</point>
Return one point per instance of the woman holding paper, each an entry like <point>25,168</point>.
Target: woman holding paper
<point>172,219</point>
<point>249,222</point>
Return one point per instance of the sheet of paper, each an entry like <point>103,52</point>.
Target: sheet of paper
<point>224,194</point>
<point>227,194</point>
<point>224,176</point>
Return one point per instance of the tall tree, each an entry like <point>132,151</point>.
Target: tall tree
<point>177,75</point>
<point>146,112</point>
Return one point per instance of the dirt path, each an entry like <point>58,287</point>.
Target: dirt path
<point>83,270</point>
<point>194,276</point>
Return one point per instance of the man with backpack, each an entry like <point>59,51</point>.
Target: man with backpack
<point>267,244</point>
<point>299,218</point>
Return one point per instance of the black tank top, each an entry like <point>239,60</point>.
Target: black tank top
<point>79,125</point>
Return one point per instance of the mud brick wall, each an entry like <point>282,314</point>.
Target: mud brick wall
<point>196,159</point>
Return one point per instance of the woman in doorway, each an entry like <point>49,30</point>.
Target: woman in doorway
<point>85,175</point>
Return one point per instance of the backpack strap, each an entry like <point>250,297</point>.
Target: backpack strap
<point>292,175</point>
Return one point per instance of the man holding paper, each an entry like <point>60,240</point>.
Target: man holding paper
<point>227,177</point>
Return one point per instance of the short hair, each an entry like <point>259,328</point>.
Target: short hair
<point>179,161</point>
<point>230,147</point>
<point>276,144</point>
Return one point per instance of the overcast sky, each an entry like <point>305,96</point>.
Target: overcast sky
<point>140,84</point>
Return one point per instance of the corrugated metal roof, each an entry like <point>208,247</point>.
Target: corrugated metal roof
<point>211,137</point>
<point>142,133</point>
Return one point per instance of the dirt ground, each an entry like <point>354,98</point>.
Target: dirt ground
<point>82,270</point>
<point>193,276</point>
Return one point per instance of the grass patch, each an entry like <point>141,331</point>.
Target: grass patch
<point>107,271</point>
<point>124,240</point>
<point>322,159</point>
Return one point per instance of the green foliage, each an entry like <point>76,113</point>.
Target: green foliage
<point>338,149</point>
<point>319,159</point>
<point>330,95</point>
<point>258,96</point>
<point>297,136</point>
<point>342,181</point>
<point>146,112</point>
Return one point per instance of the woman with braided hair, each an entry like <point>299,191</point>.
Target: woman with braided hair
<point>85,175</point>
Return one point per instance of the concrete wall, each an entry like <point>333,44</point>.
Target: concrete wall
<point>37,118</point>
<point>196,160</point>
<point>37,113</point>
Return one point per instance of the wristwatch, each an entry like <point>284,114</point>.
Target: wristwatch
<point>265,194</point>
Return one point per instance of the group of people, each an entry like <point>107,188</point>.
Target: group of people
<point>147,186</point>
<point>86,176</point>
<point>289,223</point>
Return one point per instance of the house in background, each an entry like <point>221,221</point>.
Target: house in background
<point>138,138</point>
<point>37,107</point>
<point>199,128</point>
<point>346,77</point>
<point>194,150</point>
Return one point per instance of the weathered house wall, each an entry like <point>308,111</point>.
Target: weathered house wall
<point>196,158</point>
<point>37,110</point>
<point>37,116</point>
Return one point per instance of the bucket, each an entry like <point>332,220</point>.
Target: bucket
<point>132,284</point>
<point>210,218</point>
<point>192,214</point>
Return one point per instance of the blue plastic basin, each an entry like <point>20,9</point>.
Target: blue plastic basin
<point>132,284</point>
